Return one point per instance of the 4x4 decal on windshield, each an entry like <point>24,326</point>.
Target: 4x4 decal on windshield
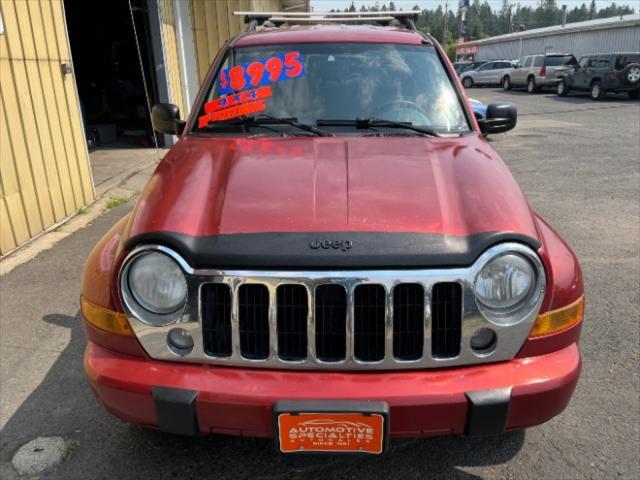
<point>232,106</point>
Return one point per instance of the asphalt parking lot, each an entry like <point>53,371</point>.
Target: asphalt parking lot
<point>578,162</point>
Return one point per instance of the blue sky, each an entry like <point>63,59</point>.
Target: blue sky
<point>326,5</point>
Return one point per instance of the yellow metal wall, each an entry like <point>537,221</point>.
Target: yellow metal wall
<point>44,165</point>
<point>214,23</point>
<point>172,62</point>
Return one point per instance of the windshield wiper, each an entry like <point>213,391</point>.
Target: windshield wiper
<point>368,123</point>
<point>263,120</point>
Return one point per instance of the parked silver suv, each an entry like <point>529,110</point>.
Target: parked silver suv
<point>490,73</point>
<point>538,71</point>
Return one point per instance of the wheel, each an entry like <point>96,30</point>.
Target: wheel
<point>597,92</point>
<point>531,85</point>
<point>634,94</point>
<point>562,90</point>
<point>631,74</point>
<point>467,82</point>
<point>506,83</point>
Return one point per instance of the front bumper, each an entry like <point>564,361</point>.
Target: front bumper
<point>185,398</point>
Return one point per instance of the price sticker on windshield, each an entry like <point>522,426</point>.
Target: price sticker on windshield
<point>279,67</point>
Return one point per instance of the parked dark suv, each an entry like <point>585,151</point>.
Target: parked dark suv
<point>602,73</point>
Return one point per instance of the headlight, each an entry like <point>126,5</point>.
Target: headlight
<point>504,282</point>
<point>156,283</point>
<point>510,284</point>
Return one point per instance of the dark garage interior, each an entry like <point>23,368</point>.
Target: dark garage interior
<point>108,72</point>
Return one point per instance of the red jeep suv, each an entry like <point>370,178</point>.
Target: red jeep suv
<point>331,255</point>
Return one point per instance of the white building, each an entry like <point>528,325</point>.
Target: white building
<point>615,34</point>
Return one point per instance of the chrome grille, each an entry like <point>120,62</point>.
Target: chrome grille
<point>333,312</point>
<point>344,319</point>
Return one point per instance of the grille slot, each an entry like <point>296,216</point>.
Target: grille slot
<point>293,311</point>
<point>446,318</point>
<point>253,316</point>
<point>330,323</point>
<point>369,322</point>
<point>216,319</point>
<point>408,321</point>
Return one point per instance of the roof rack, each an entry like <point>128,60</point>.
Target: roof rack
<point>277,19</point>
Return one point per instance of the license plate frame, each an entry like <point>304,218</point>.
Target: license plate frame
<point>337,427</point>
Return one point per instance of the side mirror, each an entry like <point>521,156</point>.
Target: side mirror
<point>165,118</point>
<point>500,117</point>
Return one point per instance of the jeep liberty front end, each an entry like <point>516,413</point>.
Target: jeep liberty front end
<point>332,255</point>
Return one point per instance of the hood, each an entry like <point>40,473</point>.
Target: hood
<point>214,186</point>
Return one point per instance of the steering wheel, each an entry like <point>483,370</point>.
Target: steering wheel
<point>400,106</point>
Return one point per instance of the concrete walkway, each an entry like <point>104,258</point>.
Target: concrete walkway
<point>111,166</point>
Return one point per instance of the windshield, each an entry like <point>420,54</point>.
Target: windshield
<point>346,81</point>
<point>557,60</point>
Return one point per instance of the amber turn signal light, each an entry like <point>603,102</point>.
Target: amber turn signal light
<point>556,321</point>
<point>105,319</point>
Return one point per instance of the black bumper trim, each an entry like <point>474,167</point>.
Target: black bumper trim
<point>176,410</point>
<point>488,411</point>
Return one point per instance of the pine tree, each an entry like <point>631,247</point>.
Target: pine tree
<point>482,21</point>
<point>505,16</point>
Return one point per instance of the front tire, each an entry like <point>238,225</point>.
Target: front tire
<point>597,92</point>
<point>467,82</point>
<point>562,90</point>
<point>531,85</point>
<point>506,83</point>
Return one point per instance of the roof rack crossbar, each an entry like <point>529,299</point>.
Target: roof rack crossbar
<point>276,19</point>
<point>327,14</point>
<point>333,19</point>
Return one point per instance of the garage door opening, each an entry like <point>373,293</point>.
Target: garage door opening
<point>108,71</point>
